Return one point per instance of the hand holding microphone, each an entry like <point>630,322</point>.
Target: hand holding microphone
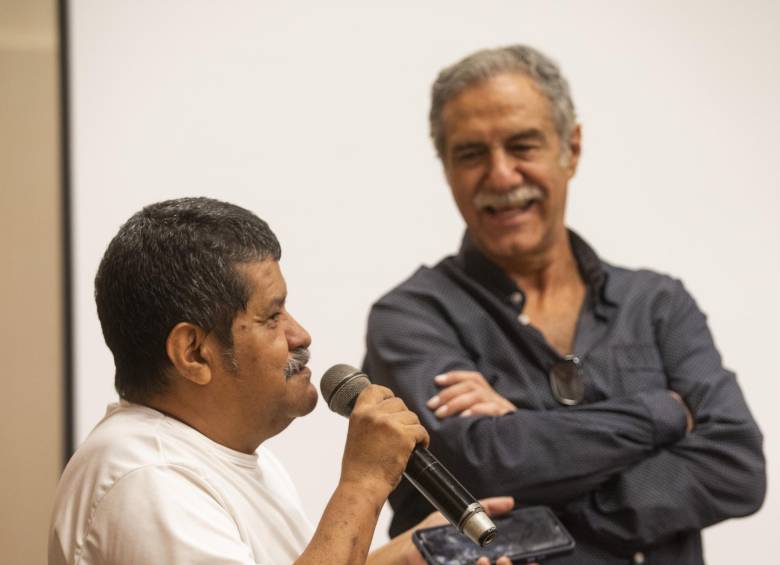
<point>341,387</point>
<point>381,428</point>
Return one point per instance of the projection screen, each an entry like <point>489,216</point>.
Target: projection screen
<point>314,115</point>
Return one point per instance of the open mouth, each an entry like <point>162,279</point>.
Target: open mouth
<point>520,199</point>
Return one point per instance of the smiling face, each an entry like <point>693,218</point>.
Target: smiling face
<point>265,380</point>
<point>507,168</point>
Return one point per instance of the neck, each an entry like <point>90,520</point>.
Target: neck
<point>197,414</point>
<point>544,270</point>
<point>554,292</point>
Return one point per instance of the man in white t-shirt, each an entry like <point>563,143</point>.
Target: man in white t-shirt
<point>209,364</point>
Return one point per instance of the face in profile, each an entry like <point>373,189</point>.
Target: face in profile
<point>507,167</point>
<point>268,378</point>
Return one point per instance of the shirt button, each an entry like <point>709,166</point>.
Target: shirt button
<point>639,558</point>
<point>516,298</point>
<point>523,319</point>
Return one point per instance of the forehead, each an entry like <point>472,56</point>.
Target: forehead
<point>499,105</point>
<point>264,280</point>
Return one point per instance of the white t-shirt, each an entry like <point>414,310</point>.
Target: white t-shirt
<point>146,489</point>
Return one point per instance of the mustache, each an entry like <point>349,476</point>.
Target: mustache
<point>299,357</point>
<point>519,196</point>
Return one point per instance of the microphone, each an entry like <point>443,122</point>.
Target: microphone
<point>340,386</point>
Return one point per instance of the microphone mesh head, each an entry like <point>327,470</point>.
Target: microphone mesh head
<point>341,385</point>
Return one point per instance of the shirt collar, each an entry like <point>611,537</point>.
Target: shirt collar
<point>493,277</point>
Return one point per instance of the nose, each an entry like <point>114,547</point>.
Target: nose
<point>503,174</point>
<point>297,336</point>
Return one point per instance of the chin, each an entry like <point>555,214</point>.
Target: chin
<point>311,398</point>
<point>514,247</point>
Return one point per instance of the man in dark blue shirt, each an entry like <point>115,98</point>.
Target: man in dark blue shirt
<point>540,370</point>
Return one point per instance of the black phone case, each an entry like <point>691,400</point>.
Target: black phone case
<point>543,536</point>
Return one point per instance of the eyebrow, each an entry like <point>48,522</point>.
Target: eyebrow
<point>276,302</point>
<point>532,134</point>
<point>467,145</point>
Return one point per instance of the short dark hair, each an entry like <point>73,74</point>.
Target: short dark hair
<point>174,261</point>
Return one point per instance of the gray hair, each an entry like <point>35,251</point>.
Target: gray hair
<point>488,63</point>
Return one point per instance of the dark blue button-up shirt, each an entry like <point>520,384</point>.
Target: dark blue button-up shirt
<point>619,469</point>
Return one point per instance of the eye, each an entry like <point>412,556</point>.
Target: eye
<point>273,319</point>
<point>467,155</point>
<point>521,148</point>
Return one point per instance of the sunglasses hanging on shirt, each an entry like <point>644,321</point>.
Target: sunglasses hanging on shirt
<point>566,381</point>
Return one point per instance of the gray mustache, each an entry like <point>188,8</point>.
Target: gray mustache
<point>516,197</point>
<point>299,357</point>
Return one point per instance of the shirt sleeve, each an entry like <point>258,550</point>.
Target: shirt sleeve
<point>537,456</point>
<point>162,515</point>
<point>713,473</point>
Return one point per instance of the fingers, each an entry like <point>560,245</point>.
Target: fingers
<point>452,391</point>
<point>382,433</point>
<point>459,403</point>
<point>405,416</point>
<point>421,436</point>
<point>393,405</point>
<point>501,561</point>
<point>373,394</point>
<point>381,401</point>
<point>459,395</point>
<point>453,377</point>
<point>497,505</point>
<point>485,409</point>
<point>469,394</point>
<point>690,422</point>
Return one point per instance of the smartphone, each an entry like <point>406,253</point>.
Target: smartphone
<point>526,535</point>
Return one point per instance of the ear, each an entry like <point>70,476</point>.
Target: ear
<point>189,352</point>
<point>575,149</point>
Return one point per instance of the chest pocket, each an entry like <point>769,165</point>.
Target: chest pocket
<point>639,367</point>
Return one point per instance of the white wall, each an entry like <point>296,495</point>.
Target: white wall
<point>314,116</point>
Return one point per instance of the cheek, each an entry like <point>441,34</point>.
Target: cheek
<point>463,193</point>
<point>558,194</point>
<point>268,350</point>
<point>278,350</point>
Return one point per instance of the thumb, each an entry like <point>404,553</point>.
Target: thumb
<point>497,505</point>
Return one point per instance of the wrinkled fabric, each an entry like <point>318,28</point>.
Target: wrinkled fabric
<point>619,469</point>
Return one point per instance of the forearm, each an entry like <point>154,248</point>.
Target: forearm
<point>382,433</point>
<point>398,551</point>
<point>538,455</point>
<point>549,457</point>
<point>346,528</point>
<point>715,473</point>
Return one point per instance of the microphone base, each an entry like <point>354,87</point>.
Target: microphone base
<point>477,525</point>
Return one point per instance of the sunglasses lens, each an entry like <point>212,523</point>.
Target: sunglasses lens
<point>566,382</point>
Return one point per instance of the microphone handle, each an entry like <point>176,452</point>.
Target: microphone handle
<point>447,495</point>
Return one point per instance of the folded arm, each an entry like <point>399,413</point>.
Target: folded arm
<point>537,456</point>
<point>625,466</point>
<point>715,472</point>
